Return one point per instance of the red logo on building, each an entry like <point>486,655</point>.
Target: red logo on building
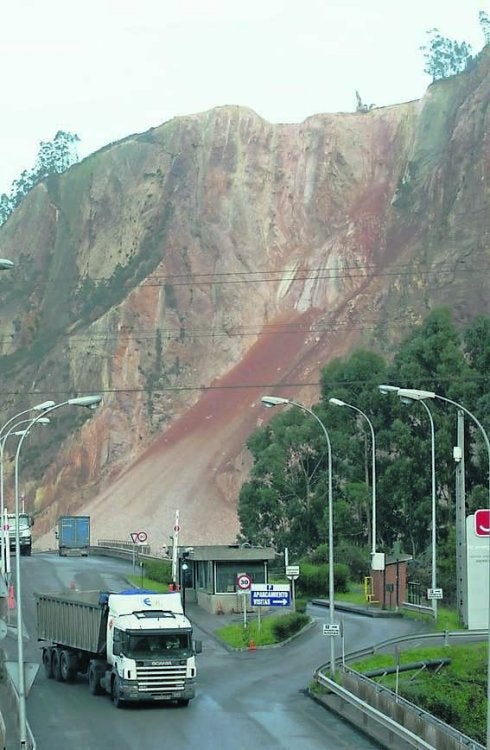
<point>482,522</point>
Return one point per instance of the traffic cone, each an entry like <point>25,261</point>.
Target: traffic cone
<point>251,646</point>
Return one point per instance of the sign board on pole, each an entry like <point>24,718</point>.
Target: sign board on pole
<point>292,572</point>
<point>434,593</point>
<point>270,595</point>
<point>243,582</point>
<point>331,629</point>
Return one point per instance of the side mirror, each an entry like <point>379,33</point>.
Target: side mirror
<point>31,522</point>
<point>197,647</point>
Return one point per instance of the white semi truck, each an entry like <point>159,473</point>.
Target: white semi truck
<point>25,534</point>
<point>134,645</point>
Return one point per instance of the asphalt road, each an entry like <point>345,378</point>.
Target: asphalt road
<point>245,700</point>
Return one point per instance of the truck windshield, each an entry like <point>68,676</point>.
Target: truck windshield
<point>23,522</point>
<point>148,644</point>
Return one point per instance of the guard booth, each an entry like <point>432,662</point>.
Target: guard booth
<point>214,571</point>
<point>389,586</point>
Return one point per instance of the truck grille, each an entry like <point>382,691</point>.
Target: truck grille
<point>166,679</point>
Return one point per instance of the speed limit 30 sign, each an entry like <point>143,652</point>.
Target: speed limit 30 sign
<point>244,581</point>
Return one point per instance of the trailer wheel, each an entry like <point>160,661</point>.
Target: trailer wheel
<point>116,693</point>
<point>94,680</point>
<point>48,662</point>
<point>67,668</point>
<point>56,662</point>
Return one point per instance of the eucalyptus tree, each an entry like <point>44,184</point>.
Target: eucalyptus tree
<point>445,57</point>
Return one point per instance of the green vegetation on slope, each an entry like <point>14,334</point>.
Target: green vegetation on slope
<point>456,693</point>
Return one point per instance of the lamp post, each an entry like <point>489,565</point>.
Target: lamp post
<point>406,398</point>
<point>277,401</point>
<point>13,431</point>
<point>40,408</point>
<point>417,395</point>
<point>89,402</point>
<point>338,402</point>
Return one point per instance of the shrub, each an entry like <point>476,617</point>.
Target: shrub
<point>158,570</point>
<point>313,580</point>
<point>288,625</point>
<point>300,605</point>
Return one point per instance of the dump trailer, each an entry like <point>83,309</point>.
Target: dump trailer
<point>25,533</point>
<point>134,645</point>
<point>73,535</point>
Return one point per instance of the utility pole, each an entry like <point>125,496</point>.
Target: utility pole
<point>175,547</point>
<point>461,574</point>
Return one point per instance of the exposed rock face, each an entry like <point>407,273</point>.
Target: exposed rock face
<point>185,272</point>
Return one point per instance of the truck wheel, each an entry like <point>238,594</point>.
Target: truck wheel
<point>28,551</point>
<point>67,669</point>
<point>94,680</point>
<point>183,702</point>
<point>116,693</point>
<point>56,662</point>
<point>48,663</point>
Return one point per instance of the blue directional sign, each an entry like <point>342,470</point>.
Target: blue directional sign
<point>270,595</point>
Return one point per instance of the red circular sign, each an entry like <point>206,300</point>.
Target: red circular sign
<point>176,527</point>
<point>244,581</point>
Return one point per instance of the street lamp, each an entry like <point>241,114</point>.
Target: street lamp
<point>90,402</point>
<point>338,402</point>
<point>13,431</point>
<point>41,408</point>
<point>5,265</point>
<point>421,396</point>
<point>278,401</point>
<point>409,398</point>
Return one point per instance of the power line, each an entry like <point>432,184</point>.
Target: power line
<point>475,378</point>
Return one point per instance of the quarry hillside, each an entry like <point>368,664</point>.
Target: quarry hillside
<point>186,271</point>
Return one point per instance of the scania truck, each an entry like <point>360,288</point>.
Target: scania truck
<point>134,645</point>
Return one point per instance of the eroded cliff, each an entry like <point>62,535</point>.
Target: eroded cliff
<point>184,272</point>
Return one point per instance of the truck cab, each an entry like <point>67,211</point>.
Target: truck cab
<point>25,534</point>
<point>150,649</point>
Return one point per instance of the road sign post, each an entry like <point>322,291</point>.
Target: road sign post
<point>292,572</point>
<point>244,584</point>
<point>434,593</point>
<point>331,629</point>
<point>138,538</point>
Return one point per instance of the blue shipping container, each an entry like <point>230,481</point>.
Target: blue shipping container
<point>73,535</point>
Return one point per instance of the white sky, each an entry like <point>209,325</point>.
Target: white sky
<point>104,69</point>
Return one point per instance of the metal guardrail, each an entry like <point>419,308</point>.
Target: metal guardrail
<point>123,546</point>
<point>383,645</point>
<point>386,722</point>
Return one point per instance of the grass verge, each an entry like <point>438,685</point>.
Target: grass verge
<point>455,693</point>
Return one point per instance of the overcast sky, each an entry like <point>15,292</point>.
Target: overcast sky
<point>104,69</point>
